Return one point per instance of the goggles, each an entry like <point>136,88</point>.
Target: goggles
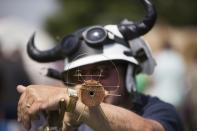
<point>94,37</point>
<point>97,36</point>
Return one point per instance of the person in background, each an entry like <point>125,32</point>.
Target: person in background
<point>169,79</point>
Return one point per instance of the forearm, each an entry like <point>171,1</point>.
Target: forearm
<point>116,118</point>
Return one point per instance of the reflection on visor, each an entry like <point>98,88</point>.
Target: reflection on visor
<point>95,35</point>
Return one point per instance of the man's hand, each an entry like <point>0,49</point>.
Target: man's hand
<point>36,98</point>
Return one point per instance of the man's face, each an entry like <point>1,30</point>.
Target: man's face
<point>110,75</point>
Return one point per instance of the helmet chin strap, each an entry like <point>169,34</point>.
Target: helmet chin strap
<point>130,81</point>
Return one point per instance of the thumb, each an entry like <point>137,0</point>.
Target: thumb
<point>21,89</point>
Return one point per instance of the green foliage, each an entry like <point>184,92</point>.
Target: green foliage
<point>75,14</point>
<point>177,12</point>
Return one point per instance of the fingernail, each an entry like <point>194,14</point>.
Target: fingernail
<point>20,88</point>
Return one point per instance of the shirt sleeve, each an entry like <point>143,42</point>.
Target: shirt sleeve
<point>164,113</point>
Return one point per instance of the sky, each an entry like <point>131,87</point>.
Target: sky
<point>31,11</point>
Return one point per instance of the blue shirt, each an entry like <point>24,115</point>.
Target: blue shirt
<point>154,109</point>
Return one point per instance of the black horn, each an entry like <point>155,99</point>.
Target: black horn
<point>131,30</point>
<point>43,56</point>
<point>67,46</point>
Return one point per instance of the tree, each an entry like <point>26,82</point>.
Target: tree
<point>75,14</point>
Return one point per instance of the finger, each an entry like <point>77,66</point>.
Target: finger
<point>19,107</point>
<point>21,88</point>
<point>22,104</point>
<point>24,118</point>
<point>35,109</point>
<point>26,103</point>
<point>30,99</point>
<point>26,121</point>
<point>18,114</point>
<point>22,98</point>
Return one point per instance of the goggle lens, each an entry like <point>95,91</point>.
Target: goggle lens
<point>95,35</point>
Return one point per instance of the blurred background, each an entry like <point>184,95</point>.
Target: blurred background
<point>173,41</point>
